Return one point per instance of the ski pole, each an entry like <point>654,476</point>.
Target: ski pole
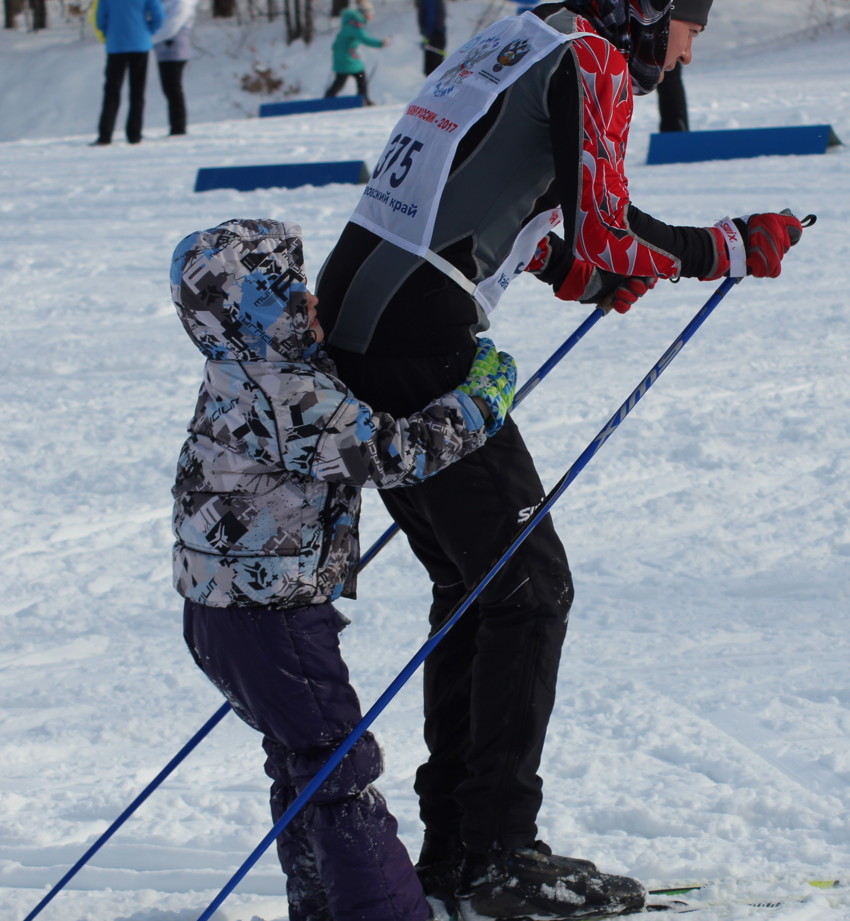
<point>572,340</point>
<point>423,652</point>
<point>367,557</point>
<point>427,47</point>
<point>216,718</point>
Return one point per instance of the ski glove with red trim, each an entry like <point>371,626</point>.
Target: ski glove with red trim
<point>589,285</point>
<point>585,282</point>
<point>492,379</point>
<point>753,245</point>
<point>627,292</point>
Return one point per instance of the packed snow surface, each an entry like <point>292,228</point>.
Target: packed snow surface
<point>702,729</point>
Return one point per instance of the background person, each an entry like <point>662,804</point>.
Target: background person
<point>128,26</point>
<point>346,58</point>
<point>672,102</point>
<point>431,16</point>
<point>173,48</point>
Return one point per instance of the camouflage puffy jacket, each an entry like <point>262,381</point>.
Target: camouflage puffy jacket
<point>267,492</point>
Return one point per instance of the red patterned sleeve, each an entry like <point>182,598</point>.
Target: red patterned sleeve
<point>603,236</point>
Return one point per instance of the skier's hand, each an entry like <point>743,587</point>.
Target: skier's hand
<point>589,285</point>
<point>627,292</point>
<point>582,283</point>
<point>753,245</point>
<point>542,254</point>
<point>491,381</point>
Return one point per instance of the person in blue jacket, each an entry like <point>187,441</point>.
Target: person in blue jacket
<point>127,26</point>
<point>346,59</point>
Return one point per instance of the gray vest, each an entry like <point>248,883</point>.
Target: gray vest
<point>488,201</point>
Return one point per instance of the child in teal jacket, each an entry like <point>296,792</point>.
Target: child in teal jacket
<point>346,60</point>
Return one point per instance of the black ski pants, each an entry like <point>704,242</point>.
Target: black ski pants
<point>489,686</point>
<point>171,80</point>
<point>672,103</point>
<point>134,63</point>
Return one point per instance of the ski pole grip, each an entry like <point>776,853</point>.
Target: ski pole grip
<point>807,221</point>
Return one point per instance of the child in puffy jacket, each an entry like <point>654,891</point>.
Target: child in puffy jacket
<point>346,58</point>
<point>267,501</point>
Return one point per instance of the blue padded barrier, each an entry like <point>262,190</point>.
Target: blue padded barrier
<point>280,175</point>
<point>729,144</point>
<point>299,106</point>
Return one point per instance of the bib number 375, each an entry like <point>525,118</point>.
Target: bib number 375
<point>401,146</point>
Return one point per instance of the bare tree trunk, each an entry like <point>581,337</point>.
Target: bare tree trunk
<point>39,14</point>
<point>337,6</point>
<point>309,30</point>
<point>11,8</point>
<point>223,9</point>
<point>292,16</point>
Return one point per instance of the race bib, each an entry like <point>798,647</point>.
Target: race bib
<point>402,197</point>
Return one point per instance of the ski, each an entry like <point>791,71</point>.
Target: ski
<point>674,899</point>
<point>697,887</point>
<point>670,900</point>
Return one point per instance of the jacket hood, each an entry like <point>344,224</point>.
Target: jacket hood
<point>349,16</point>
<point>240,291</point>
<point>639,29</point>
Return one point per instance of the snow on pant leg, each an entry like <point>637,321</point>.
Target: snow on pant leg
<point>171,80</point>
<point>138,72</point>
<point>305,891</point>
<point>116,64</point>
<point>366,871</point>
<point>283,673</point>
<point>459,522</point>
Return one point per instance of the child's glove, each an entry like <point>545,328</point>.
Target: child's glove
<point>753,245</point>
<point>492,379</point>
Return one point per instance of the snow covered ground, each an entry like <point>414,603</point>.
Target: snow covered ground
<point>702,730</point>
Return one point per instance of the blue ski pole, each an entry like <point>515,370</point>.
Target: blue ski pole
<point>216,718</point>
<point>552,497</point>
<point>367,557</point>
<point>567,345</point>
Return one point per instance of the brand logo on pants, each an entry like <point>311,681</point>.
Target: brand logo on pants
<point>525,514</point>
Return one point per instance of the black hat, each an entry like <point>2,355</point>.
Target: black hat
<point>691,11</point>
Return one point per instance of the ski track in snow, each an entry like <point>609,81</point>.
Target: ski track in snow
<point>702,729</point>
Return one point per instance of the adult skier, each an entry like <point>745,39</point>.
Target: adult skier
<point>521,129</point>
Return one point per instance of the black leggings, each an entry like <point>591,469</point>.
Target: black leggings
<point>339,82</point>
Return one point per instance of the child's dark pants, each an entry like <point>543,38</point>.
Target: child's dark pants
<point>283,673</point>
